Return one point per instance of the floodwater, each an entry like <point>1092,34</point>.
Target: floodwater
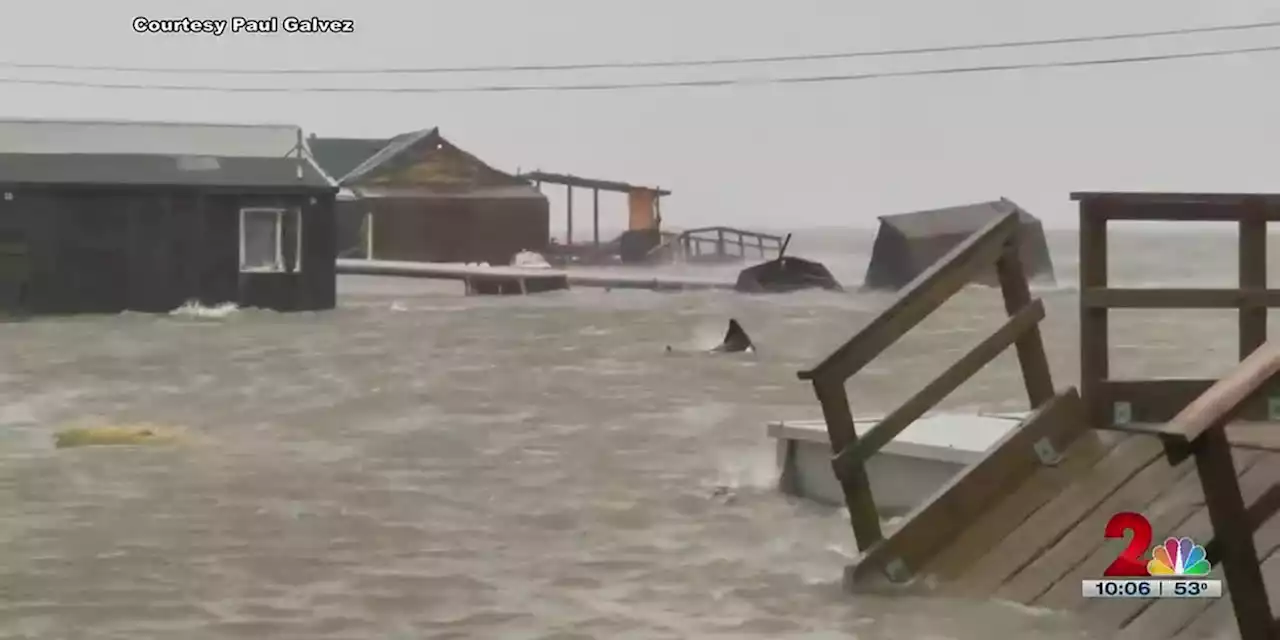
<point>418,464</point>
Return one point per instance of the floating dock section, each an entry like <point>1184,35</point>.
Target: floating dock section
<point>1028,521</point>
<point>502,280</point>
<point>904,473</point>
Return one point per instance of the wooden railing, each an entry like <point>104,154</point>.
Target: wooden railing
<point>718,242</point>
<point>1121,401</point>
<point>1196,418</point>
<point>1201,430</point>
<point>993,245</point>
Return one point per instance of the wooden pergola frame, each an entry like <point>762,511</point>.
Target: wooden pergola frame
<point>570,182</point>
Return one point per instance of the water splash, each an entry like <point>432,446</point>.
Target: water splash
<point>193,309</point>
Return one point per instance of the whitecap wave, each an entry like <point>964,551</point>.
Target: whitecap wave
<point>193,309</point>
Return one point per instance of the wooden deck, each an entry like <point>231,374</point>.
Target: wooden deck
<point>1035,544</point>
<point>1199,458</point>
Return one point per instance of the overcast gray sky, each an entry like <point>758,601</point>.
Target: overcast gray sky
<point>781,155</point>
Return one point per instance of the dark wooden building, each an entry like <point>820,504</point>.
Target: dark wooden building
<point>418,197</point>
<point>113,216</point>
<point>909,243</point>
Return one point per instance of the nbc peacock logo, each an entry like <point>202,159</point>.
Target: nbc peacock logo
<point>1178,557</point>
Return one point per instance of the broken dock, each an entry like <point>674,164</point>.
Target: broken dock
<point>479,279</point>
<point>1026,522</point>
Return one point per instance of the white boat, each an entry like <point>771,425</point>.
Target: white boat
<point>905,472</point>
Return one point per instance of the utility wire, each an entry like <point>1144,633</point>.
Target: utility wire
<point>651,64</point>
<point>616,86</point>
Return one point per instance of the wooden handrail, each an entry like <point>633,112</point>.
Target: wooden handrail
<point>733,230</point>
<point>957,374</point>
<point>995,247</point>
<point>1217,405</point>
<point>689,238</point>
<point>919,298</point>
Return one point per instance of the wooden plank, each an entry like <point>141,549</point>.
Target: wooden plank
<point>1160,400</point>
<point>1171,209</point>
<point>864,516</point>
<point>1260,436</point>
<point>852,457</point>
<point>928,527</point>
<point>1015,288</point>
<point>1259,511</point>
<point>1176,212</point>
<point>1232,199</point>
<point>1048,525</point>
<point>1197,526</point>
<point>1185,298</point>
<point>1152,401</point>
<point>918,299</point>
<point>1219,403</point>
<point>969,544</point>
<point>589,183</point>
<point>447,271</point>
<point>1049,567</point>
<point>1172,507</point>
<point>1095,366</point>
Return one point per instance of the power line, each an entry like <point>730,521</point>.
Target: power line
<point>817,79</point>
<point>650,64</point>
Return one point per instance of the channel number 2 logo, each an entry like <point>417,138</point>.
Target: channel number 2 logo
<point>1176,557</point>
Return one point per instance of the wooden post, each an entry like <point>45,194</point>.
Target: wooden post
<point>720,243</point>
<point>863,514</point>
<point>742,246</point>
<point>1094,365</point>
<point>1234,535</point>
<point>1253,276</point>
<point>1030,346</point>
<point>568,216</point>
<point>368,235</point>
<point>595,216</point>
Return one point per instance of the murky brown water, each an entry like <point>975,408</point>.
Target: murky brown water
<point>422,465</point>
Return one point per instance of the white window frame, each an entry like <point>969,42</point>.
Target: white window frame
<point>280,214</point>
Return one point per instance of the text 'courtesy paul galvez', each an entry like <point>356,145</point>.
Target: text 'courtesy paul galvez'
<point>241,24</point>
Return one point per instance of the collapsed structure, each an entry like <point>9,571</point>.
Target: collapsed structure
<point>907,244</point>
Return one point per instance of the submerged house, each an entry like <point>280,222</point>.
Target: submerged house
<point>909,243</point>
<point>418,197</point>
<point>107,216</point>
